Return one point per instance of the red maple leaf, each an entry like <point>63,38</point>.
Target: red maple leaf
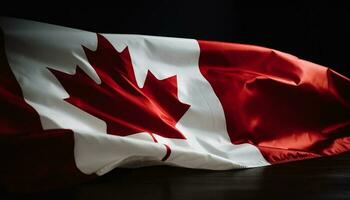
<point>126,108</point>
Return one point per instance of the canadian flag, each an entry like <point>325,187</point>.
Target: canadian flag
<point>76,104</point>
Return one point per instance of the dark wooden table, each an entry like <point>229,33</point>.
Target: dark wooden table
<point>322,178</point>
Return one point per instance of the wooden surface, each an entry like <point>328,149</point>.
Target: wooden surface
<point>322,178</point>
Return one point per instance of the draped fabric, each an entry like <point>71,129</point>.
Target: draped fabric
<point>75,105</point>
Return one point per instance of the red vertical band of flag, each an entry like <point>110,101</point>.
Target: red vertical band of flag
<point>32,159</point>
<point>289,108</point>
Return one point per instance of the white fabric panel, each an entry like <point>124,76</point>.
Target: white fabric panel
<point>33,47</point>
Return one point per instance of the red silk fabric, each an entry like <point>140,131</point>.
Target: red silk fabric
<point>289,108</point>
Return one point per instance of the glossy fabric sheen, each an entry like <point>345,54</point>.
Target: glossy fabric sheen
<point>92,102</point>
<point>289,108</point>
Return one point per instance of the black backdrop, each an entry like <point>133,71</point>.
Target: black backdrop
<point>317,31</point>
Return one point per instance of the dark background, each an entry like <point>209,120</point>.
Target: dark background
<point>317,31</point>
